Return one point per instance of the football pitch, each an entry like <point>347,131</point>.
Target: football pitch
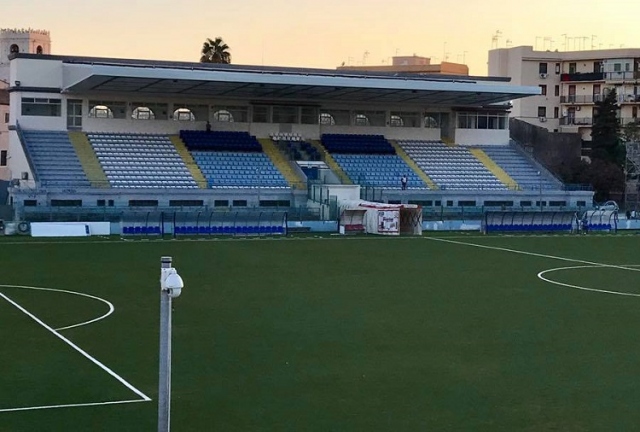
<point>439,333</point>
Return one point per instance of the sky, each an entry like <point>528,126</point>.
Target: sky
<point>325,33</point>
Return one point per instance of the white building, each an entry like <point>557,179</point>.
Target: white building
<point>15,41</point>
<point>570,83</point>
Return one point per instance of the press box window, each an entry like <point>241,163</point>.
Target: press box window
<point>41,107</point>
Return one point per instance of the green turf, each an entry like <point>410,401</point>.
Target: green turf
<point>331,334</point>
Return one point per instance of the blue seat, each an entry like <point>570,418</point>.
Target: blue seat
<point>137,230</point>
<point>202,229</point>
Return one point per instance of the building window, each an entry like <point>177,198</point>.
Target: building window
<point>542,68</point>
<point>543,90</point>
<point>41,107</point>
<point>556,112</point>
<point>572,68</point>
<point>542,111</point>
<point>101,111</point>
<point>557,68</point>
<point>107,109</point>
<point>6,117</point>
<point>230,114</point>
<point>3,158</point>
<point>183,114</point>
<point>617,67</point>
<point>556,91</point>
<point>14,49</point>
<point>326,119</point>
<point>482,120</point>
<point>361,120</point>
<point>39,50</point>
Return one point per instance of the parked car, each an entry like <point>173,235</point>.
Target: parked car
<point>609,205</point>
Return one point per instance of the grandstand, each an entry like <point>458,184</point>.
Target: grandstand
<point>140,133</point>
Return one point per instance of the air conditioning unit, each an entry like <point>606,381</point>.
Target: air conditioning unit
<point>542,119</point>
<point>578,108</point>
<point>543,75</point>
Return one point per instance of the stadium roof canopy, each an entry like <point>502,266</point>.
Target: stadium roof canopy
<point>198,80</point>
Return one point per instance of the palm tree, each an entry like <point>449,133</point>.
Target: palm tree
<point>215,51</point>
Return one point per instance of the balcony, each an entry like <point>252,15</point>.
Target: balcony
<point>576,121</point>
<point>589,76</point>
<point>628,99</point>
<point>621,76</point>
<point>580,99</point>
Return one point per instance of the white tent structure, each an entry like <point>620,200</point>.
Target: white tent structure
<point>379,218</point>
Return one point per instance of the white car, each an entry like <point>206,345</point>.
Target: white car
<point>609,205</point>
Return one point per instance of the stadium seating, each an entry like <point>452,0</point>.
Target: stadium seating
<point>141,161</point>
<point>370,160</point>
<point>220,141</point>
<point>232,159</point>
<point>521,169</point>
<point>357,144</point>
<point>453,168</point>
<point>295,147</point>
<point>54,158</point>
<point>207,230</point>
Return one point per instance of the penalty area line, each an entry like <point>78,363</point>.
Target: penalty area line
<point>540,255</point>
<point>144,398</point>
<point>44,407</point>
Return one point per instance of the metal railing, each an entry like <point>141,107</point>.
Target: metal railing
<point>577,76</point>
<point>576,121</point>
<point>116,214</point>
<point>621,76</point>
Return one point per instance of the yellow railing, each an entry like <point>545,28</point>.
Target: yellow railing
<point>280,162</point>
<point>495,168</point>
<point>425,178</point>
<point>191,164</point>
<point>331,162</point>
<point>88,159</point>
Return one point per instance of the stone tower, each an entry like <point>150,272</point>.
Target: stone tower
<point>28,41</point>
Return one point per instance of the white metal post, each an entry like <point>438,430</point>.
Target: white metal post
<point>164,385</point>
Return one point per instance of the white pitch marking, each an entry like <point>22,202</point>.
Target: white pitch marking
<point>72,405</point>
<point>77,348</point>
<point>109,304</point>
<point>542,273</point>
<point>590,263</point>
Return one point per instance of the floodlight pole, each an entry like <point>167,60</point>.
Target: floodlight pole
<point>164,384</point>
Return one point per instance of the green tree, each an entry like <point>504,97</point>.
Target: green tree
<point>606,142</point>
<point>215,51</point>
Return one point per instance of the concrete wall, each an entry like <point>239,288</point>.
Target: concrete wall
<point>552,149</point>
<point>482,136</point>
<point>17,164</point>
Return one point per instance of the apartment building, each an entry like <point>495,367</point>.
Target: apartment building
<point>570,84</point>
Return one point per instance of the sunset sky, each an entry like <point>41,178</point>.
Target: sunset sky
<point>324,33</point>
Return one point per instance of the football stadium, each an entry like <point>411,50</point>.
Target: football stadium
<point>360,251</point>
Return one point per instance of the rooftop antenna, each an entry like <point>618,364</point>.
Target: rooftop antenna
<point>364,57</point>
<point>536,46</point>
<point>464,57</point>
<point>593,38</point>
<point>585,39</point>
<point>509,43</point>
<point>550,40</point>
<point>496,38</point>
<point>565,45</point>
